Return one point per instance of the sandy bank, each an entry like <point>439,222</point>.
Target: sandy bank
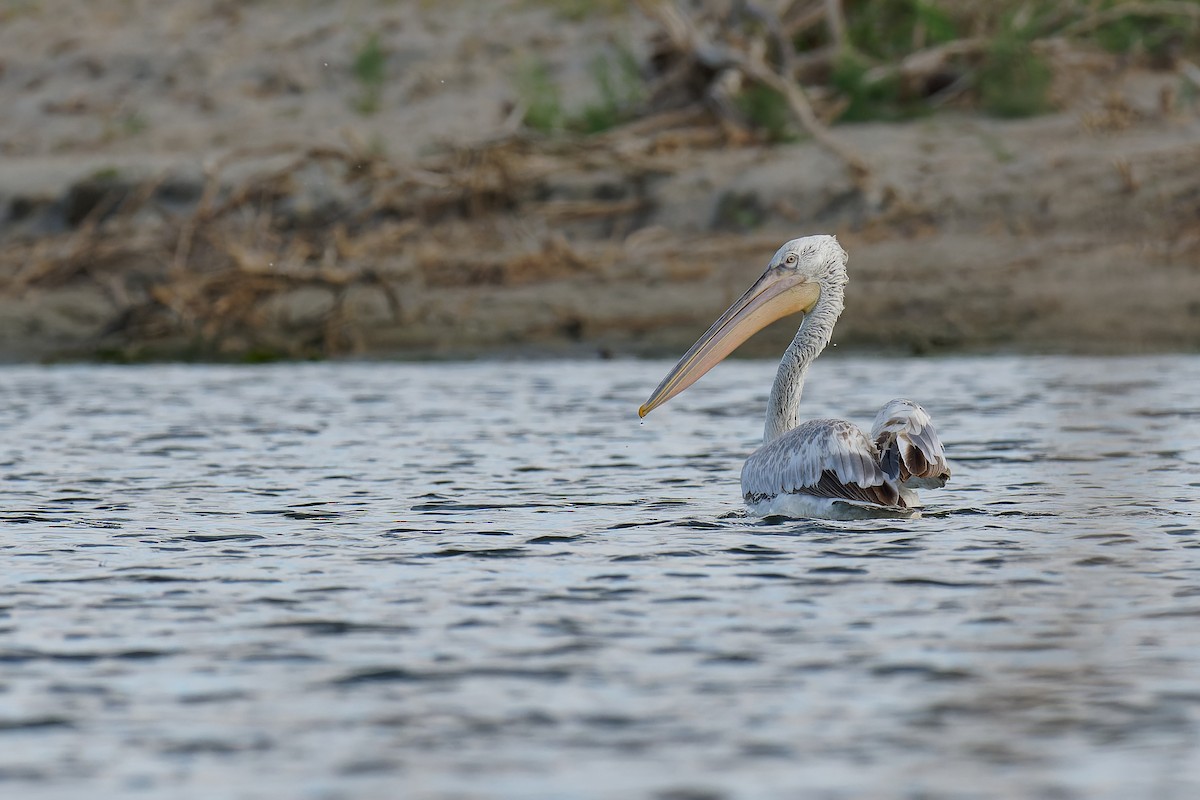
<point>244,211</point>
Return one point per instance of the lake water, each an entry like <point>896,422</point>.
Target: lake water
<point>490,580</point>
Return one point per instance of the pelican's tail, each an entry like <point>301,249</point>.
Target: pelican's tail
<point>910,451</point>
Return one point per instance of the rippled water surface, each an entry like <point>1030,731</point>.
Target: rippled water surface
<point>489,580</point>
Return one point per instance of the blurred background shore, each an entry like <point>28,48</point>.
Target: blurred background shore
<point>303,179</point>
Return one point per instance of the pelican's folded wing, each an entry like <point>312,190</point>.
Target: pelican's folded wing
<point>824,458</point>
<point>909,447</point>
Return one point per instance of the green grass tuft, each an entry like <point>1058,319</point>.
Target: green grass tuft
<point>869,101</point>
<point>108,174</point>
<point>768,111</point>
<point>1014,81</point>
<point>1158,37</point>
<point>619,89</point>
<point>540,96</point>
<point>618,83</point>
<point>579,10</point>
<point>891,29</point>
<point>370,68</point>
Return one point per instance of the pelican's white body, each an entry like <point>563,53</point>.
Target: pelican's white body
<point>805,506</point>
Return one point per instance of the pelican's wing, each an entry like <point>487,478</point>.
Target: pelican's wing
<point>824,458</point>
<point>909,447</point>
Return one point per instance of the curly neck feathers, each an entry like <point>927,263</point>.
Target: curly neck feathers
<point>783,408</point>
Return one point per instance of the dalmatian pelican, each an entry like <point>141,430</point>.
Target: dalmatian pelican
<point>826,468</point>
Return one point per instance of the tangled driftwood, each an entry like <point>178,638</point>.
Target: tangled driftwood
<point>720,59</point>
<point>208,276</point>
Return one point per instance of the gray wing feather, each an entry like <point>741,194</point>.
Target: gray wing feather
<point>827,458</point>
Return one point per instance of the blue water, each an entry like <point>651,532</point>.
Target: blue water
<point>490,580</point>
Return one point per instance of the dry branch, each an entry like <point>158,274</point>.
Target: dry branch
<point>796,21</point>
<point>687,39</point>
<point>836,22</point>
<point>923,63</point>
<point>1161,9</point>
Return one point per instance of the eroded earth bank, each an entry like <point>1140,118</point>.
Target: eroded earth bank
<point>214,181</point>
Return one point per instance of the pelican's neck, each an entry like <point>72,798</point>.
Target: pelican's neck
<point>783,409</point>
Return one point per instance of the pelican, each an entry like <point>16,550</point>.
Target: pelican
<point>823,468</point>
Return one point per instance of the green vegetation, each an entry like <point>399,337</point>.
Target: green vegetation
<point>618,86</point>
<point>108,174</point>
<point>1003,70</point>
<point>869,99</point>
<point>1154,36</point>
<point>576,10</point>
<point>880,32</point>
<point>124,126</point>
<point>134,123</point>
<point>370,68</point>
<point>891,29</point>
<point>993,59</point>
<point>261,354</point>
<point>540,96</point>
<point>768,111</point>
<point>894,60</point>
<point>618,83</point>
<point>1013,80</point>
<point>738,211</point>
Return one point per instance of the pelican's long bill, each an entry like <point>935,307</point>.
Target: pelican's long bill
<point>776,294</point>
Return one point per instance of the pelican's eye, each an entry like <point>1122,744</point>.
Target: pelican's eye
<point>790,260</point>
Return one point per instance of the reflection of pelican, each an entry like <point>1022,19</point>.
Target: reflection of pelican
<point>823,467</point>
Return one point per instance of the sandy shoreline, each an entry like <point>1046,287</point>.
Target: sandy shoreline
<point>185,202</point>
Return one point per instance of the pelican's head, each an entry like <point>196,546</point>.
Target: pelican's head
<point>818,258</point>
<point>792,284</point>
